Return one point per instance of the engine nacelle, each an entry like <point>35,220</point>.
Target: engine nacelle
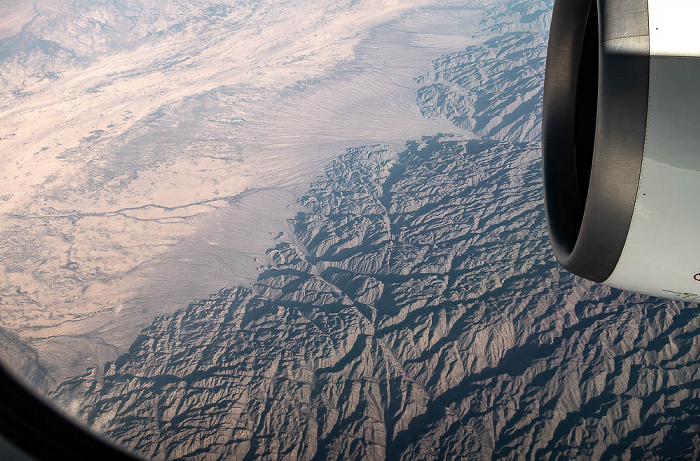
<point>621,143</point>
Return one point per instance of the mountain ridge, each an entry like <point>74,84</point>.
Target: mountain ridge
<point>415,311</point>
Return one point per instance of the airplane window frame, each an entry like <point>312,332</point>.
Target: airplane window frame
<point>40,432</point>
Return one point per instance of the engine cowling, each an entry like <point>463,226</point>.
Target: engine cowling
<point>621,143</point>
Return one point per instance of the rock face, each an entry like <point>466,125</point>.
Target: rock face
<point>416,312</point>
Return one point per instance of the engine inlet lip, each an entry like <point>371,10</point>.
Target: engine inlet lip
<point>588,230</point>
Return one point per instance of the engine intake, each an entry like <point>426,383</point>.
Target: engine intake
<point>621,143</point>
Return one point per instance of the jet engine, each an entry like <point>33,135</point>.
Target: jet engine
<point>621,143</point>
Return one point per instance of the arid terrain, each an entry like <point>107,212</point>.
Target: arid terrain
<point>414,311</point>
<point>329,251</point>
<point>150,151</point>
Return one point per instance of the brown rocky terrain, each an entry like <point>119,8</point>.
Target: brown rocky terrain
<point>415,312</point>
